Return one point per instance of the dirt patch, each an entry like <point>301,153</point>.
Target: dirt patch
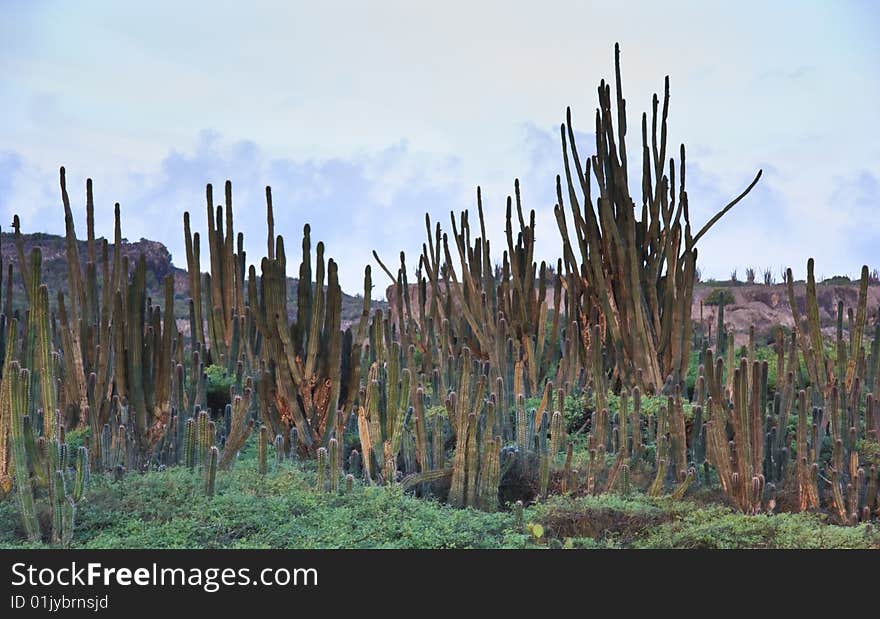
<point>598,523</point>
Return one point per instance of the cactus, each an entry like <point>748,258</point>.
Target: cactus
<point>14,403</point>
<point>624,276</point>
<point>557,434</point>
<point>294,443</point>
<point>224,285</point>
<point>81,479</point>
<point>190,444</point>
<point>322,466</point>
<point>44,365</point>
<point>480,340</point>
<point>544,473</point>
<point>740,462</point>
<point>240,427</point>
<point>624,480</point>
<point>40,462</point>
<point>86,328</point>
<point>63,511</point>
<point>278,445</point>
<point>354,463</point>
<point>334,466</point>
<point>689,478</point>
<point>303,385</point>
<point>204,437</point>
<point>262,448</point>
<point>211,470</point>
<point>7,418</point>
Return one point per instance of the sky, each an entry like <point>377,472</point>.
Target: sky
<point>363,116</point>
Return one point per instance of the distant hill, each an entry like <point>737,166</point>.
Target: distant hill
<point>159,265</point>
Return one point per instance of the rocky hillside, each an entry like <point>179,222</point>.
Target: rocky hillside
<point>159,265</point>
<point>767,307</point>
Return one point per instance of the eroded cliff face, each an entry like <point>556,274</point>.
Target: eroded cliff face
<point>54,262</point>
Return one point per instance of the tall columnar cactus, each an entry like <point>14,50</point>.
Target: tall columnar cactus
<point>194,273</point>
<point>502,316</point>
<point>190,442</point>
<point>820,367</point>
<point>85,322</point>
<point>333,455</point>
<point>211,470</point>
<point>81,478</point>
<point>45,366</point>
<point>839,405</point>
<point>14,406</point>
<point>240,428</point>
<point>476,465</point>
<point>224,285</point>
<point>278,445</point>
<point>739,462</point>
<point>638,271</point>
<point>302,386</point>
<point>543,457</point>
<point>262,450</point>
<point>63,510</point>
<point>36,352</point>
<point>41,462</point>
<point>322,468</point>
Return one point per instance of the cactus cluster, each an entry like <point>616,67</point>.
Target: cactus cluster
<point>45,468</point>
<point>460,389</point>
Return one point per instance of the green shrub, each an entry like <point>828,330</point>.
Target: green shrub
<point>719,296</point>
<point>219,383</point>
<point>168,509</point>
<point>837,280</point>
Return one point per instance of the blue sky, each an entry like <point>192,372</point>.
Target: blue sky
<point>365,115</point>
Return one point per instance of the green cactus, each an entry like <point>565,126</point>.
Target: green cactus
<point>624,480</point>
<point>278,445</point>
<point>558,434</point>
<point>190,443</point>
<point>544,473</point>
<point>303,385</point>
<point>204,437</point>
<point>211,470</point>
<point>334,465</point>
<point>518,515</point>
<point>40,462</point>
<point>14,403</point>
<point>262,448</point>
<point>354,463</point>
<point>81,478</point>
<point>322,466</point>
<point>240,427</point>
<point>44,365</point>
